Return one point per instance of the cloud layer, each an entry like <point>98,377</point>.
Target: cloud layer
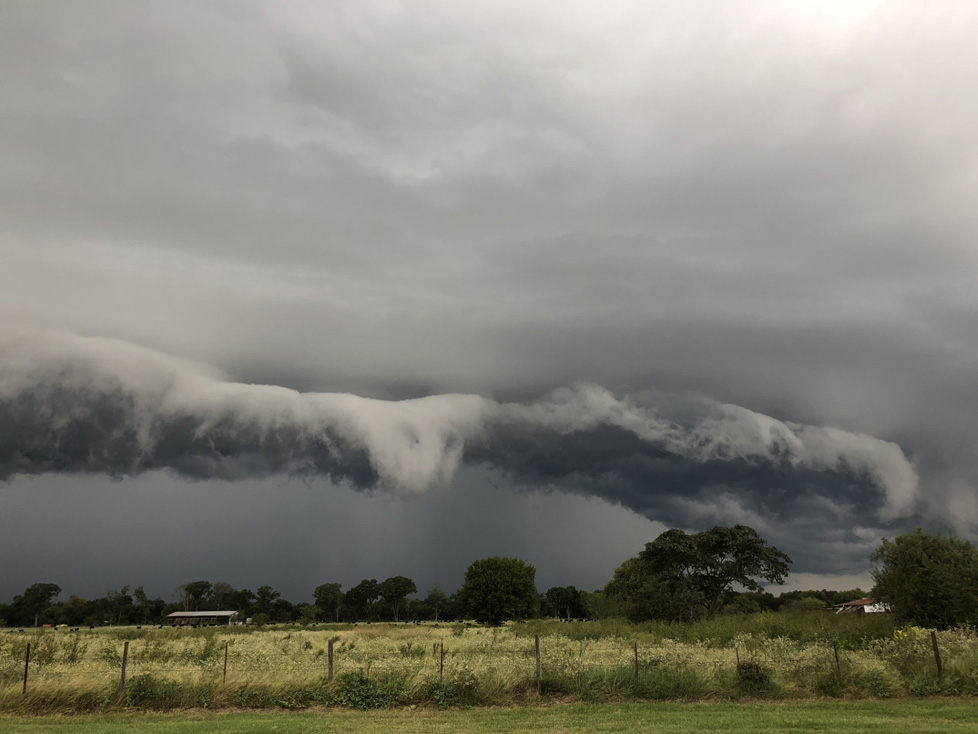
<point>83,405</point>
<point>709,261</point>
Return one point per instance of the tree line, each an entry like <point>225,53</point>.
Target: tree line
<point>929,580</point>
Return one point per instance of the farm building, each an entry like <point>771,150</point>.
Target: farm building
<point>201,618</point>
<point>860,606</point>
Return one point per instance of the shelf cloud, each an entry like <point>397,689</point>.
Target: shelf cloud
<point>655,264</point>
<point>85,405</point>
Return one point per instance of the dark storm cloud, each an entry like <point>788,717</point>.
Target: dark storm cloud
<point>771,206</point>
<point>81,405</point>
<point>297,535</point>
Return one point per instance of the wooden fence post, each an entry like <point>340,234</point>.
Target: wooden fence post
<point>937,656</point>
<point>835,649</point>
<point>330,653</point>
<point>737,654</point>
<point>27,663</point>
<point>539,667</point>
<point>441,664</point>
<point>125,660</point>
<point>224,680</point>
<point>635,644</point>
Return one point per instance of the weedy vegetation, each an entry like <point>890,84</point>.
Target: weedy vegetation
<point>769,656</point>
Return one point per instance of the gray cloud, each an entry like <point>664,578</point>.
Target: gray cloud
<point>159,530</point>
<point>692,206</point>
<point>83,405</point>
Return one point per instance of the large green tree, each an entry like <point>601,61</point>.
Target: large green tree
<point>394,590</point>
<point>497,589</point>
<point>33,603</point>
<point>224,597</point>
<point>265,599</point>
<point>681,576</point>
<point>929,580</point>
<point>435,603</point>
<point>195,594</point>
<point>328,598</point>
<point>359,599</point>
<point>147,609</point>
<point>117,606</point>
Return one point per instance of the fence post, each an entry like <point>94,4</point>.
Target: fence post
<point>937,657</point>
<point>737,654</point>
<point>224,680</point>
<point>441,664</point>
<point>835,649</point>
<point>330,648</point>
<point>27,663</point>
<point>125,660</point>
<point>539,668</point>
<point>635,644</point>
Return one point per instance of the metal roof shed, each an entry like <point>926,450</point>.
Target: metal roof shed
<point>202,618</point>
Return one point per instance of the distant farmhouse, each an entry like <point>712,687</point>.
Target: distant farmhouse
<point>201,618</point>
<point>860,606</point>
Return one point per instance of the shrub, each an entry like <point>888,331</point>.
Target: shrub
<point>357,691</point>
<point>147,691</point>
<point>752,678</point>
<point>441,694</point>
<point>248,696</point>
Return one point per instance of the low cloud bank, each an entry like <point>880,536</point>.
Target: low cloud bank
<point>72,404</point>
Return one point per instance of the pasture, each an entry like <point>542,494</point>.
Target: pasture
<point>769,657</point>
<point>837,717</point>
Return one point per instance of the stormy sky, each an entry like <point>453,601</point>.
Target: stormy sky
<point>293,293</point>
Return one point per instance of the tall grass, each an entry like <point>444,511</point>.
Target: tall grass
<point>849,630</point>
<point>781,656</point>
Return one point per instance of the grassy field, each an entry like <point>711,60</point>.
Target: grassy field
<point>843,717</point>
<point>758,657</point>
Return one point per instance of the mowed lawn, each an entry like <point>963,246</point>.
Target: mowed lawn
<point>891,717</point>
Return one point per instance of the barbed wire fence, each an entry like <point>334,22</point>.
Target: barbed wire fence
<point>527,660</point>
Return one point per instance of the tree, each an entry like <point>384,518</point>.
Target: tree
<point>224,597</point>
<point>361,596</point>
<point>264,599</point>
<point>564,601</point>
<point>929,580</point>
<point>147,609</point>
<point>328,598</point>
<point>436,601</point>
<point>681,576</point>
<point>246,602</point>
<point>194,594</point>
<point>499,588</point>
<point>394,590</point>
<point>307,613</point>
<point>76,610</point>
<point>117,605</point>
<point>643,594</point>
<point>600,605</point>
<point>36,598</point>
<point>828,597</point>
<point>283,611</point>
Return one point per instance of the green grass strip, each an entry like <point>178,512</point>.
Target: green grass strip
<point>946,716</point>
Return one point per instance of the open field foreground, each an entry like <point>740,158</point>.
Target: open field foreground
<point>756,657</point>
<point>844,717</point>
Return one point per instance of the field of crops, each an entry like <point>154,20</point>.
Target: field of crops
<point>774,656</point>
